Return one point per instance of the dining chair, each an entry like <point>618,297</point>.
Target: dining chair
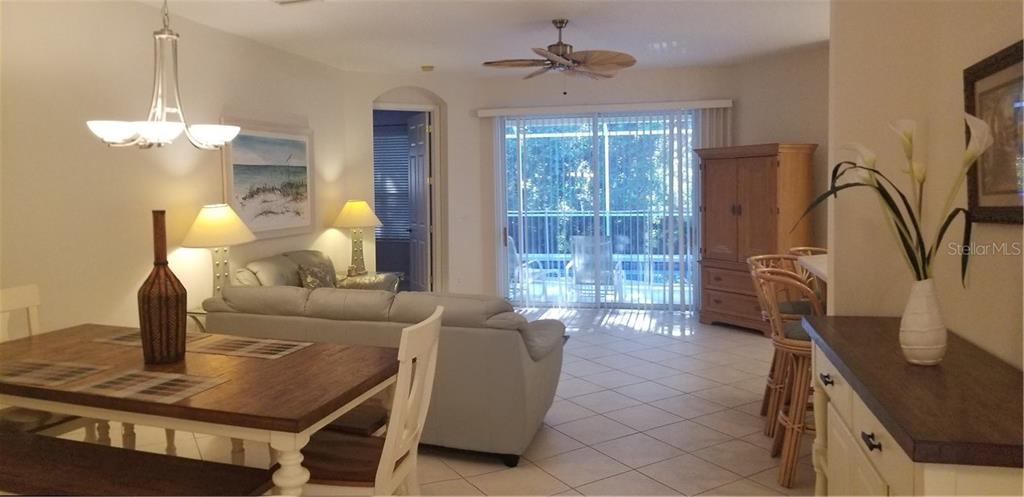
<point>26,299</point>
<point>342,463</point>
<point>793,348</point>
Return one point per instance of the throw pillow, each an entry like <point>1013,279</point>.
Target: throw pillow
<point>317,276</point>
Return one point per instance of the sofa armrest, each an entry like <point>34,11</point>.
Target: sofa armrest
<point>542,337</point>
<point>216,304</point>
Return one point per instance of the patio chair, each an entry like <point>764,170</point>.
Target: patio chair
<point>593,267</point>
<point>523,274</point>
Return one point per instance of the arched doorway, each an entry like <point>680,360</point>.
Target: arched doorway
<point>412,119</point>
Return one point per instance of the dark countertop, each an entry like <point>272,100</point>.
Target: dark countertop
<point>966,410</point>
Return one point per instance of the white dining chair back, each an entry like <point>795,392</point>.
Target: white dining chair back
<point>417,362</point>
<point>19,298</point>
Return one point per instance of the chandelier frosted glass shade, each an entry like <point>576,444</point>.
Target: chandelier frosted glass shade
<point>166,120</point>
<point>216,134</point>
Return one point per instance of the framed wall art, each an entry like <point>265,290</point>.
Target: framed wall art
<point>269,178</point>
<point>993,93</point>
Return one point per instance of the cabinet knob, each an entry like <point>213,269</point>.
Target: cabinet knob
<point>826,379</point>
<point>870,442</point>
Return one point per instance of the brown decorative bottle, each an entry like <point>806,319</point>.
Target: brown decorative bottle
<point>162,305</point>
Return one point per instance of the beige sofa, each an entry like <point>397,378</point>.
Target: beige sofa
<point>496,372</point>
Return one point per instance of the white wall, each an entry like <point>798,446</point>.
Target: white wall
<point>892,60</point>
<point>780,97</point>
<point>76,213</point>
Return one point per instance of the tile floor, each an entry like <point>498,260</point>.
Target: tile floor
<point>649,403</point>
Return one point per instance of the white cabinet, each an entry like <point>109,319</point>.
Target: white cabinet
<point>850,472</point>
<point>855,455</point>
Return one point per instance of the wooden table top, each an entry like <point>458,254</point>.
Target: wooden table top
<point>286,394</point>
<point>965,410</point>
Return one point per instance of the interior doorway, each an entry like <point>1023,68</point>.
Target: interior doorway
<point>403,195</point>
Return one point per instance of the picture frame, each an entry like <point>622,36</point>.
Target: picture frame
<point>992,92</point>
<point>269,178</point>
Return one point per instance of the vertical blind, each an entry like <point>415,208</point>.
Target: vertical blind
<point>391,181</point>
<point>601,209</point>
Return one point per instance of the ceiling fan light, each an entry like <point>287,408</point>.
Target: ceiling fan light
<point>159,132</point>
<point>215,135</point>
<point>112,131</point>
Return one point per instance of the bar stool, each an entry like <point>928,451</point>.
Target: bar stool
<point>792,308</point>
<point>793,348</point>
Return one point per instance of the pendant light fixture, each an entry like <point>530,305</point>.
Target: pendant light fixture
<point>166,119</point>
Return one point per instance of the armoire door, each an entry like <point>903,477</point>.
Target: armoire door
<point>719,199</point>
<point>757,212</point>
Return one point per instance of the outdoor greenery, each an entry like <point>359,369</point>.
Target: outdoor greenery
<point>620,168</point>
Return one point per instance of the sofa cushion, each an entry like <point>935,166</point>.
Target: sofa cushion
<point>311,258</point>
<point>468,311</point>
<point>275,300</point>
<point>317,276</point>
<point>349,305</point>
<point>507,321</point>
<point>543,336</point>
<point>245,277</point>
<point>276,270</point>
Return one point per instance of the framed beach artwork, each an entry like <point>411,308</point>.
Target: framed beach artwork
<point>268,175</point>
<point>993,91</point>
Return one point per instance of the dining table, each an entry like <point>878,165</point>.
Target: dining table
<point>271,391</point>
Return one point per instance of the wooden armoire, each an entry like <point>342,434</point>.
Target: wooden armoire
<point>751,199</point>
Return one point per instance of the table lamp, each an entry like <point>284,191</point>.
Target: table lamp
<point>217,227</point>
<point>356,214</point>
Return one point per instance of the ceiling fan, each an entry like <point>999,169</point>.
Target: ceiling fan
<point>559,57</point>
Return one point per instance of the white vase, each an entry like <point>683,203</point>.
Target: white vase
<point>922,333</point>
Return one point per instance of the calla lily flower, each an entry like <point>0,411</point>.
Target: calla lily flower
<point>918,171</point>
<point>981,139</point>
<point>905,129</point>
<point>865,155</point>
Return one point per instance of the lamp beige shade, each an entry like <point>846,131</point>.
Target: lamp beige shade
<point>356,214</point>
<point>217,225</point>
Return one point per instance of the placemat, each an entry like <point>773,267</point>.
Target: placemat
<point>134,338</point>
<point>263,348</point>
<point>46,373</point>
<point>165,388</point>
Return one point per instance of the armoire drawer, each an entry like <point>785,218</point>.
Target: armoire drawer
<point>735,304</point>
<point>840,395</point>
<point>727,280</point>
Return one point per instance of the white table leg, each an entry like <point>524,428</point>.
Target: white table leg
<point>290,476</point>
<point>90,433</point>
<point>237,452</point>
<point>128,436</point>
<point>171,449</point>
<point>103,432</point>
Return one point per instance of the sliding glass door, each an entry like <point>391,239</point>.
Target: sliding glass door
<point>599,210</point>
